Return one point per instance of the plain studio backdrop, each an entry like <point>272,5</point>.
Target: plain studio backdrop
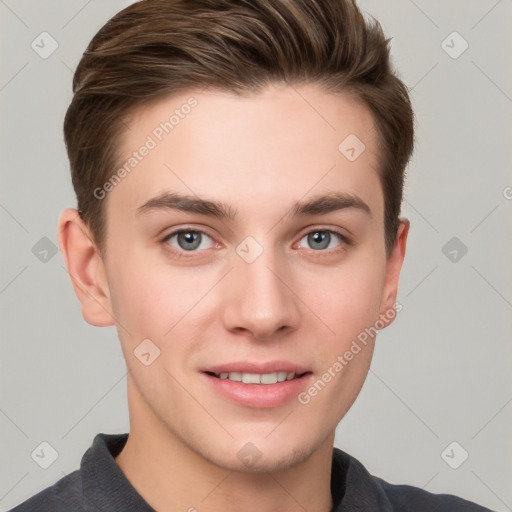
<point>436,409</point>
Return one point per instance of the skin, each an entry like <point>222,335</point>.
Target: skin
<point>259,154</point>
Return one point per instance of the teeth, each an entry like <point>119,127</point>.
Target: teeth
<point>268,378</point>
<point>251,378</point>
<point>257,378</point>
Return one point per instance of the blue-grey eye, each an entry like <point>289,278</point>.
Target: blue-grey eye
<point>189,240</point>
<point>321,239</point>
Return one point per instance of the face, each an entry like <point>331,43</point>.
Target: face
<point>270,267</point>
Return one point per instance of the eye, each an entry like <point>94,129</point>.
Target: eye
<point>321,239</point>
<point>188,240</point>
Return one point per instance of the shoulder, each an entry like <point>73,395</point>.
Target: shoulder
<point>98,484</point>
<point>63,496</point>
<point>365,491</point>
<point>407,497</point>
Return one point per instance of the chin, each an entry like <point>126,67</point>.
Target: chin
<point>269,463</point>
<point>251,454</point>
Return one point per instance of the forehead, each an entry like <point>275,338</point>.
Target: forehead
<point>284,142</point>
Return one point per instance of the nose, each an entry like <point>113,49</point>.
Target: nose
<point>259,299</point>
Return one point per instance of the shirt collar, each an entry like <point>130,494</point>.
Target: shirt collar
<point>362,491</point>
<point>102,479</point>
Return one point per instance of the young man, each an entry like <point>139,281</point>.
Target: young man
<point>239,169</point>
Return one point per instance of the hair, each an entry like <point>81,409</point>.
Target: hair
<point>157,48</point>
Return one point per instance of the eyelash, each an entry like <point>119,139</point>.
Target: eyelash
<point>345,241</point>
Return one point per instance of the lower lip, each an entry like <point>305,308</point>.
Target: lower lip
<point>259,395</point>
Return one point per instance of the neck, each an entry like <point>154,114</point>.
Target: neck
<point>169,475</point>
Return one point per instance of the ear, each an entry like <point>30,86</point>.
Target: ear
<point>393,267</point>
<point>86,269</point>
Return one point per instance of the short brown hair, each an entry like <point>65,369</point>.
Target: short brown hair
<point>156,48</point>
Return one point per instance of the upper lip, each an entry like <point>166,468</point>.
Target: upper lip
<point>253,367</point>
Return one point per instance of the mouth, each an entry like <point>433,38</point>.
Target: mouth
<point>258,385</point>
<point>258,378</point>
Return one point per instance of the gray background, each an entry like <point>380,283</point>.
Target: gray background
<point>441,372</point>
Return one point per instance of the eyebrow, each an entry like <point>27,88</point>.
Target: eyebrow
<point>188,203</point>
<point>318,205</point>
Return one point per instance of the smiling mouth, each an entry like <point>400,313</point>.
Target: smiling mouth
<point>258,378</point>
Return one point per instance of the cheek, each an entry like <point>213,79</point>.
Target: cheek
<point>153,300</point>
<point>349,304</point>
<point>348,299</point>
<point>142,297</point>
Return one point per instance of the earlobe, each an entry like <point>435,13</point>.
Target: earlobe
<point>393,267</point>
<point>85,268</point>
